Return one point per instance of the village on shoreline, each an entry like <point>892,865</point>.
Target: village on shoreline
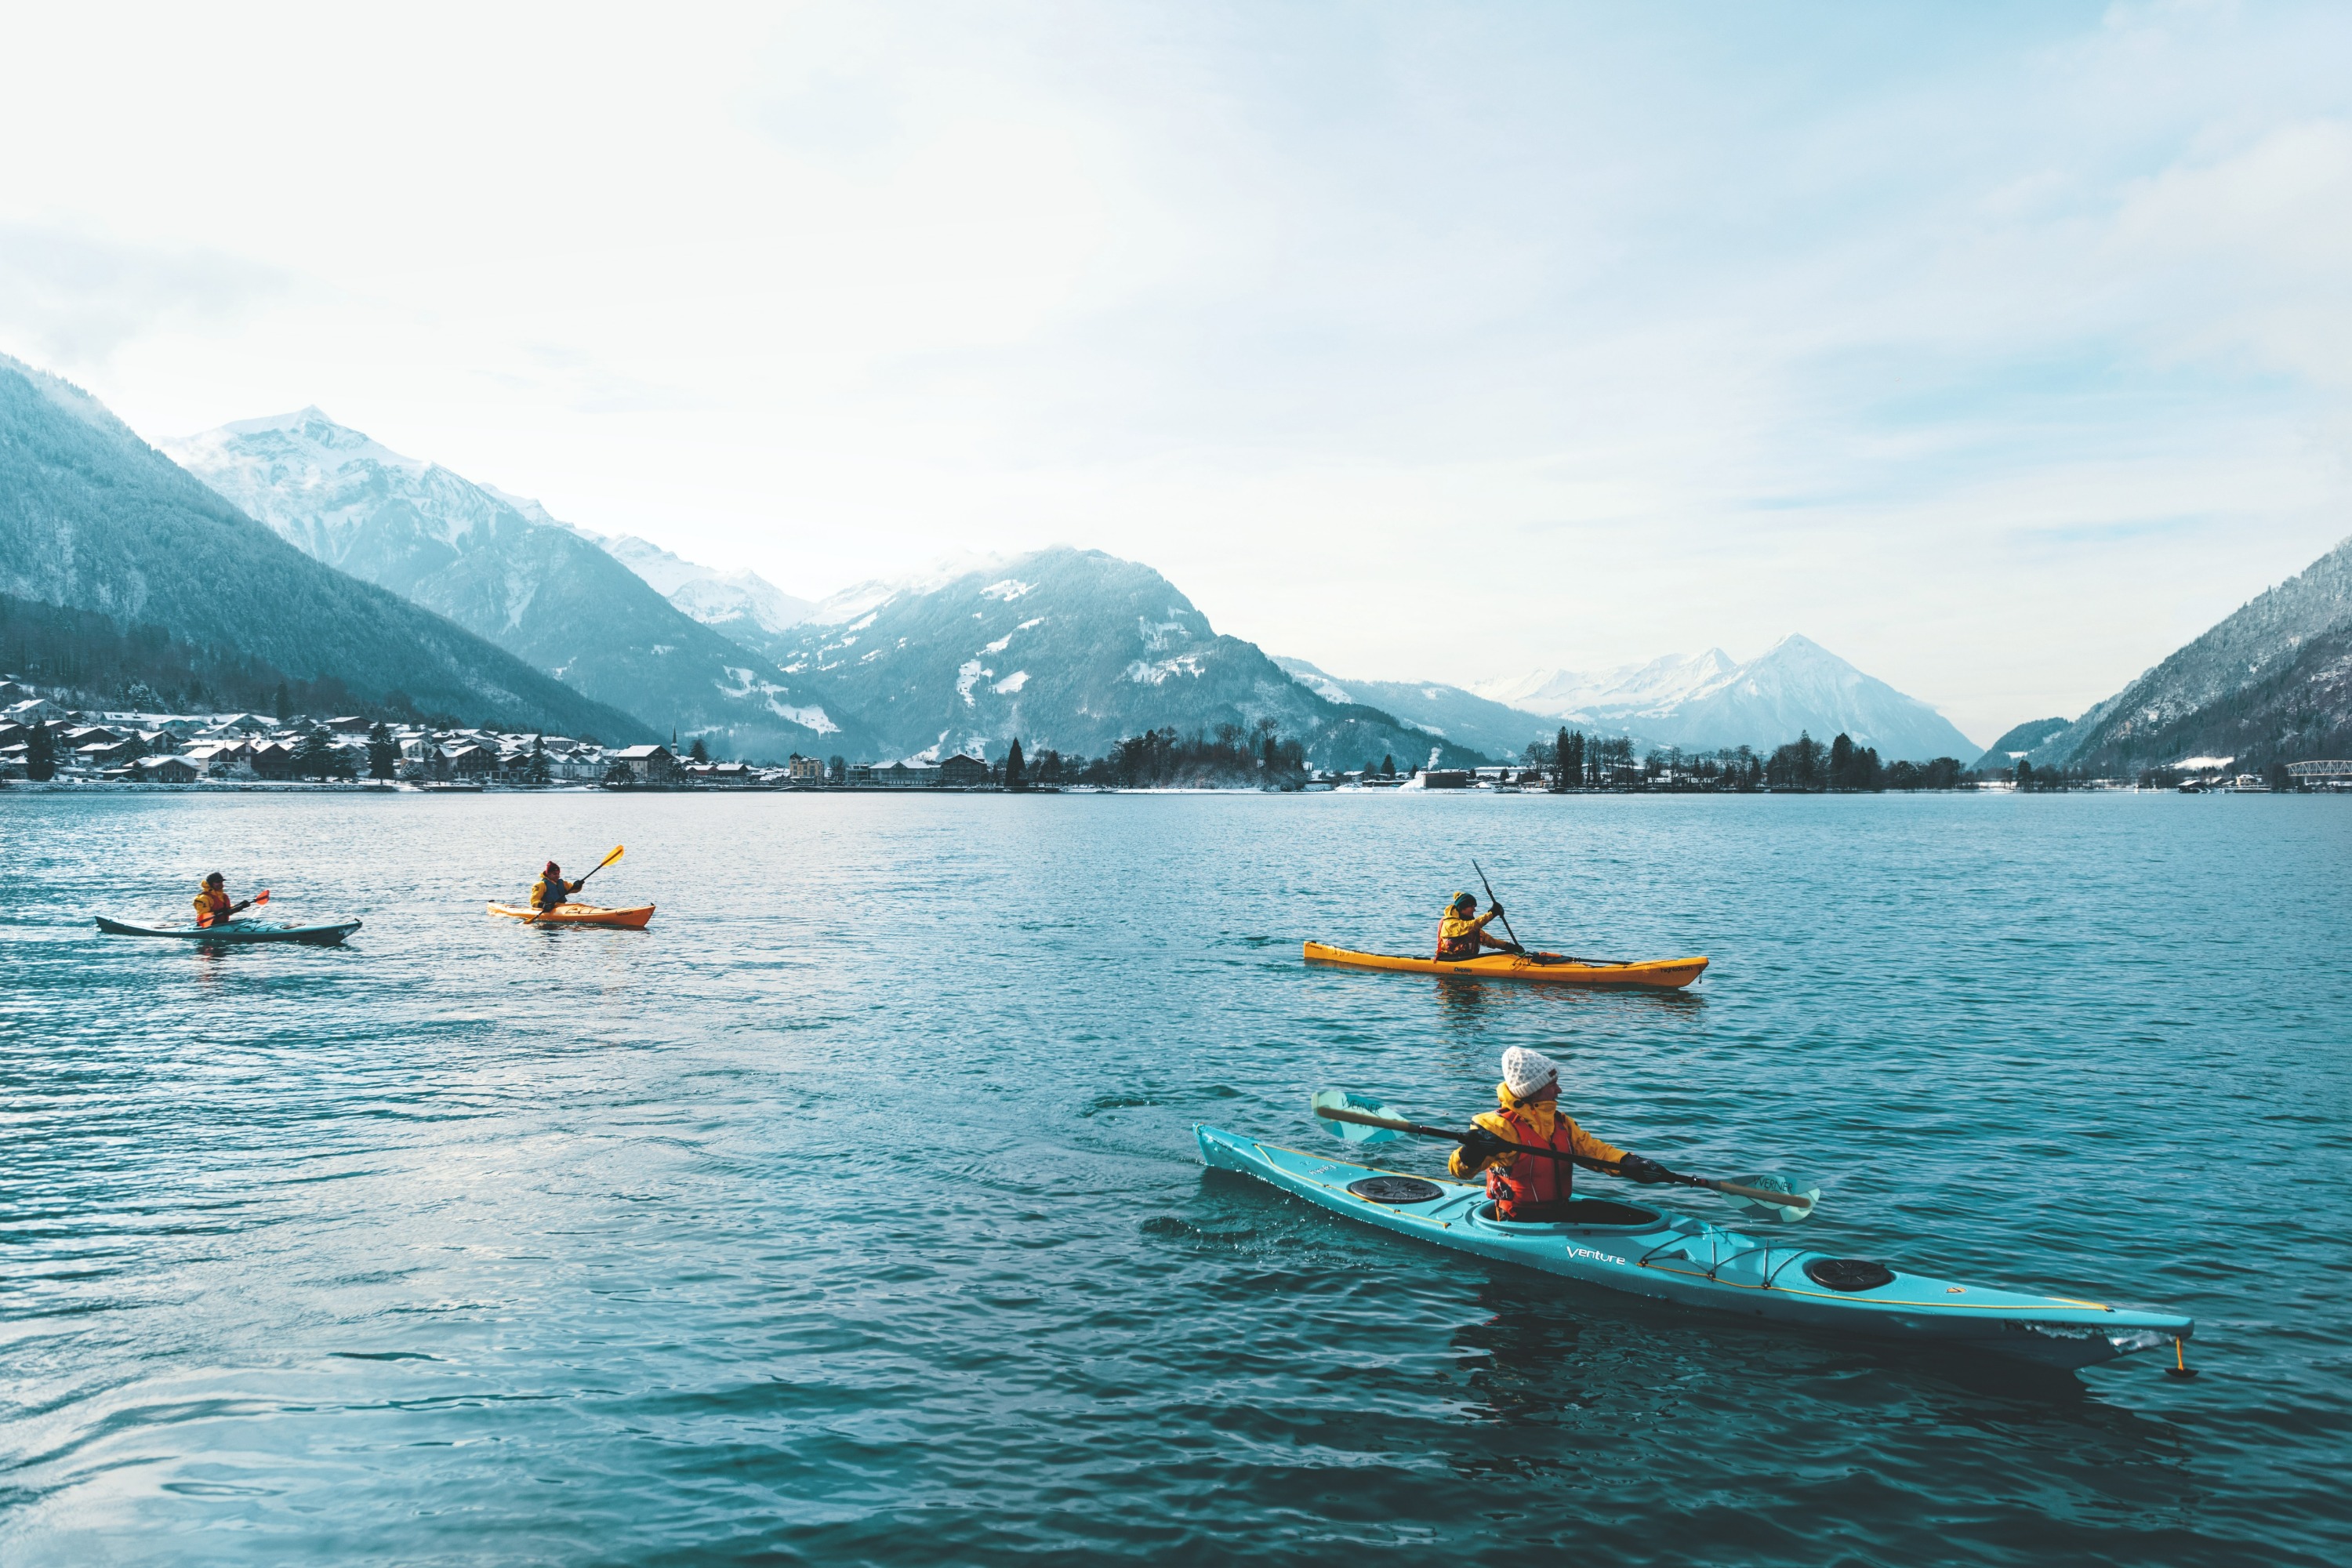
<point>46,743</point>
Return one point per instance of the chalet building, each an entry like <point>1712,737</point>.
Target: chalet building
<point>162,770</point>
<point>800,769</point>
<point>961,771</point>
<point>645,764</point>
<point>907,775</point>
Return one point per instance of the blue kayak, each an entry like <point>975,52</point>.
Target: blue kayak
<point>235,931</point>
<point>1672,1257</point>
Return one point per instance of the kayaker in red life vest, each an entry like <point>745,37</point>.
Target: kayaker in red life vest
<point>1462,930</point>
<point>213,906</point>
<point>1529,1188</point>
<point>550,891</point>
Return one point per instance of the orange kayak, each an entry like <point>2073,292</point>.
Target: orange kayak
<point>579,915</point>
<point>1551,968</point>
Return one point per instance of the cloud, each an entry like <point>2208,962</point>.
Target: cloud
<point>73,298</point>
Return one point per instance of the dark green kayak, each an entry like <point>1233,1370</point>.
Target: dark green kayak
<point>235,930</point>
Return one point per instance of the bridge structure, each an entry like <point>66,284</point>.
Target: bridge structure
<point>2340,769</point>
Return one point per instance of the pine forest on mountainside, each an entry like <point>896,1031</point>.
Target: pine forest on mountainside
<point>2270,683</point>
<point>92,518</point>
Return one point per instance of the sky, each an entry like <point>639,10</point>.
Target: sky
<point>1999,349</point>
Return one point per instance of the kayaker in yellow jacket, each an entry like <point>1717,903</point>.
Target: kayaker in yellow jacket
<point>1462,930</point>
<point>551,890</point>
<point>212,901</point>
<point>1529,1188</point>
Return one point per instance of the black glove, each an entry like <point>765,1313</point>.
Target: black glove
<point>1481,1145</point>
<point>1494,909</point>
<point>1634,1168</point>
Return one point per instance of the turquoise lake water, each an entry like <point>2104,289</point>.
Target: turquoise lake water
<point>852,1214</point>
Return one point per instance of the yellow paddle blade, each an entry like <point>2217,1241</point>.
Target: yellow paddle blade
<point>608,859</point>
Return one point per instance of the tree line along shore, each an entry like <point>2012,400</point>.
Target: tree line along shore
<point>43,741</point>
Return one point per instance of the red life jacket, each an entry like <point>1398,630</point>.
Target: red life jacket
<point>213,906</point>
<point>1531,1178</point>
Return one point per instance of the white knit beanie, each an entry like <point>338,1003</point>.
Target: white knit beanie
<point>1526,1071</point>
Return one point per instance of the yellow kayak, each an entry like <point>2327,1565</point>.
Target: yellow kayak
<point>579,915</point>
<point>1551,968</point>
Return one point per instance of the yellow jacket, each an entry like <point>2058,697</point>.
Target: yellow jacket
<point>562,890</point>
<point>1540,1114</point>
<point>1459,939</point>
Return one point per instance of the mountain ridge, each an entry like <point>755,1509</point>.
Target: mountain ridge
<point>93,518</point>
<point>2267,683</point>
<point>1070,650</point>
<point>504,568</point>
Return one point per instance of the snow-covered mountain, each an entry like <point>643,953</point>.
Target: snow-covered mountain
<point>93,519</point>
<point>2270,682</point>
<point>1628,688</point>
<point>1704,701</point>
<point>1461,716</point>
<point>740,605</point>
<point>1073,650</point>
<point>501,567</point>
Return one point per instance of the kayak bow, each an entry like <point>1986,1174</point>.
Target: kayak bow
<point>1658,974</point>
<point>1656,1252</point>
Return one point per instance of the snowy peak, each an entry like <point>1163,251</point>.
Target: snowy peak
<point>1630,688</point>
<point>1706,701</point>
<point>734,600</point>
<point>324,488</point>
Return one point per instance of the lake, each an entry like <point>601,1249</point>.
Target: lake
<point>851,1213</point>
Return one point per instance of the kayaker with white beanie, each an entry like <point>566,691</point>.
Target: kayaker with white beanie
<point>1530,1189</point>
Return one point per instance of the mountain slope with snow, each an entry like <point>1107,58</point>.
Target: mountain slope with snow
<point>1072,650</point>
<point>1461,716</point>
<point>2270,682</point>
<point>501,567</point>
<point>92,518</point>
<point>740,606</point>
<point>1705,701</point>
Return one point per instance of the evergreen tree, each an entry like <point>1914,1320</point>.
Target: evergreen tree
<point>384,752</point>
<point>40,753</point>
<point>536,771</point>
<point>1014,764</point>
<point>1564,753</point>
<point>314,755</point>
<point>837,770</point>
<point>698,752</point>
<point>1388,766</point>
<point>1841,762</point>
<point>285,702</point>
<point>2024,773</point>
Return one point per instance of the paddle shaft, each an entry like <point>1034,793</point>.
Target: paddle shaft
<point>1606,1168</point>
<point>1497,905</point>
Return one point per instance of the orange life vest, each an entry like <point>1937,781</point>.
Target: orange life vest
<point>213,905</point>
<point>1531,1178</point>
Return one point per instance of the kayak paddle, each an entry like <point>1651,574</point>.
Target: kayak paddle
<point>600,864</point>
<point>1771,1198</point>
<point>1531,957</point>
<point>532,918</point>
<point>1496,904</point>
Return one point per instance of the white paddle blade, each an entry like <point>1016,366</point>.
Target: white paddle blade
<point>1356,1131</point>
<point>1799,1189</point>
